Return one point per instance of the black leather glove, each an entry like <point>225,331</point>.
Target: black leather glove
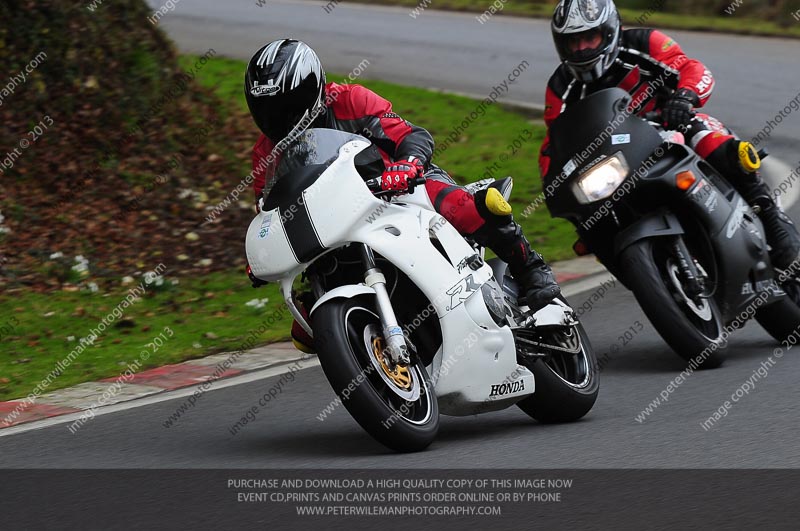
<point>256,282</point>
<point>679,110</point>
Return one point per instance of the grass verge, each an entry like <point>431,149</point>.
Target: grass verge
<point>210,314</point>
<point>498,143</point>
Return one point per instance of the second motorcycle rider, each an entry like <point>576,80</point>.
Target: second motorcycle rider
<point>596,54</point>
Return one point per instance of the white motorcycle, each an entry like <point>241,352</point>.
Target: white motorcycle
<point>408,319</point>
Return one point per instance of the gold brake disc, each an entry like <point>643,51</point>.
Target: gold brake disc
<point>401,376</point>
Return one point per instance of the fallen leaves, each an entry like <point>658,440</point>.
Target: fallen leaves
<point>105,186</point>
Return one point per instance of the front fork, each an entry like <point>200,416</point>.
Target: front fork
<point>694,278</point>
<point>392,333</point>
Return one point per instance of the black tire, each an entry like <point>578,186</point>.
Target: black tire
<point>343,325</point>
<point>689,335</point>
<point>781,319</point>
<point>566,385</point>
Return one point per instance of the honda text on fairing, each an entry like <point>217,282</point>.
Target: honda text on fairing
<point>409,320</point>
<point>668,225</point>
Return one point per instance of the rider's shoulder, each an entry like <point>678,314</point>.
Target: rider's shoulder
<point>560,79</point>
<point>351,101</point>
<point>263,144</point>
<point>347,90</point>
<point>351,95</point>
<point>649,41</point>
<point>637,38</point>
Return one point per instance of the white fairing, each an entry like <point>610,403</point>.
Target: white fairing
<point>476,368</point>
<point>268,251</point>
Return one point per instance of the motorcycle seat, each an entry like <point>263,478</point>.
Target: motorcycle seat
<point>503,186</point>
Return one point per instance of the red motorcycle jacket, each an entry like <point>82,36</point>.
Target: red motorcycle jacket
<point>650,66</point>
<point>356,109</point>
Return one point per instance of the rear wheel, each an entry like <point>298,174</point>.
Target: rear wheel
<point>691,326</point>
<point>566,377</point>
<point>395,405</point>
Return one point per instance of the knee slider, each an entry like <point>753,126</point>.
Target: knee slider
<point>748,157</point>
<point>492,206</point>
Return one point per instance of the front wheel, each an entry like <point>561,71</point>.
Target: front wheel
<point>396,406</point>
<point>691,326</point>
<point>566,377</point>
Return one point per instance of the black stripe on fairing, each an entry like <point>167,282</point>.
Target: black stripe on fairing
<point>302,236</point>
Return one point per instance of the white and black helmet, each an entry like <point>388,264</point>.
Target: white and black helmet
<point>574,19</point>
<point>284,84</point>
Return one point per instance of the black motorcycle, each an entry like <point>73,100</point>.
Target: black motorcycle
<point>665,223</point>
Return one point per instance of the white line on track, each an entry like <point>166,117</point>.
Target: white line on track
<point>571,289</point>
<point>775,171</point>
<point>587,284</point>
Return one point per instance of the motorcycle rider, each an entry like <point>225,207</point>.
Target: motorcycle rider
<point>596,54</point>
<point>285,86</point>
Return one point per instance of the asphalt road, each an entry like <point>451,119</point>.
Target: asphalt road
<point>755,79</point>
<point>757,432</point>
<point>455,52</point>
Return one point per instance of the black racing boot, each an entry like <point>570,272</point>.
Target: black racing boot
<point>781,232</point>
<point>782,236</point>
<point>504,236</point>
<point>527,266</point>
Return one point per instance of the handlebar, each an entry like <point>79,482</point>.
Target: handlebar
<point>374,186</point>
<point>655,117</point>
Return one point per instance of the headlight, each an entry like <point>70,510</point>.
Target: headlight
<point>601,181</point>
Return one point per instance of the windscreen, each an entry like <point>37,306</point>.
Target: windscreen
<point>314,147</point>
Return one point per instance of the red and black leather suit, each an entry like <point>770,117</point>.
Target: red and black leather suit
<point>355,109</point>
<point>651,67</point>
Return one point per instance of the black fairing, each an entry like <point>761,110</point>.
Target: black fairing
<point>583,124</point>
<point>710,216</point>
<point>288,190</point>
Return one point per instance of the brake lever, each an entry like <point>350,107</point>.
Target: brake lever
<point>374,185</point>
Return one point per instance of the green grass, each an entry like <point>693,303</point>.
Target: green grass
<point>734,24</point>
<point>209,314</point>
<point>467,160</point>
<point>728,24</point>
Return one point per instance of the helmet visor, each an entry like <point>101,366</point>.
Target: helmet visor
<point>585,51</point>
<point>586,43</point>
<point>277,114</point>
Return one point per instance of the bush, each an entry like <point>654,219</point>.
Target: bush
<point>113,167</point>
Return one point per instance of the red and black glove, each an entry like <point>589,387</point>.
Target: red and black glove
<point>399,176</point>
<point>679,111</point>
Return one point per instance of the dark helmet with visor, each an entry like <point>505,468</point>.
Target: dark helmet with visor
<point>284,85</point>
<point>587,36</point>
